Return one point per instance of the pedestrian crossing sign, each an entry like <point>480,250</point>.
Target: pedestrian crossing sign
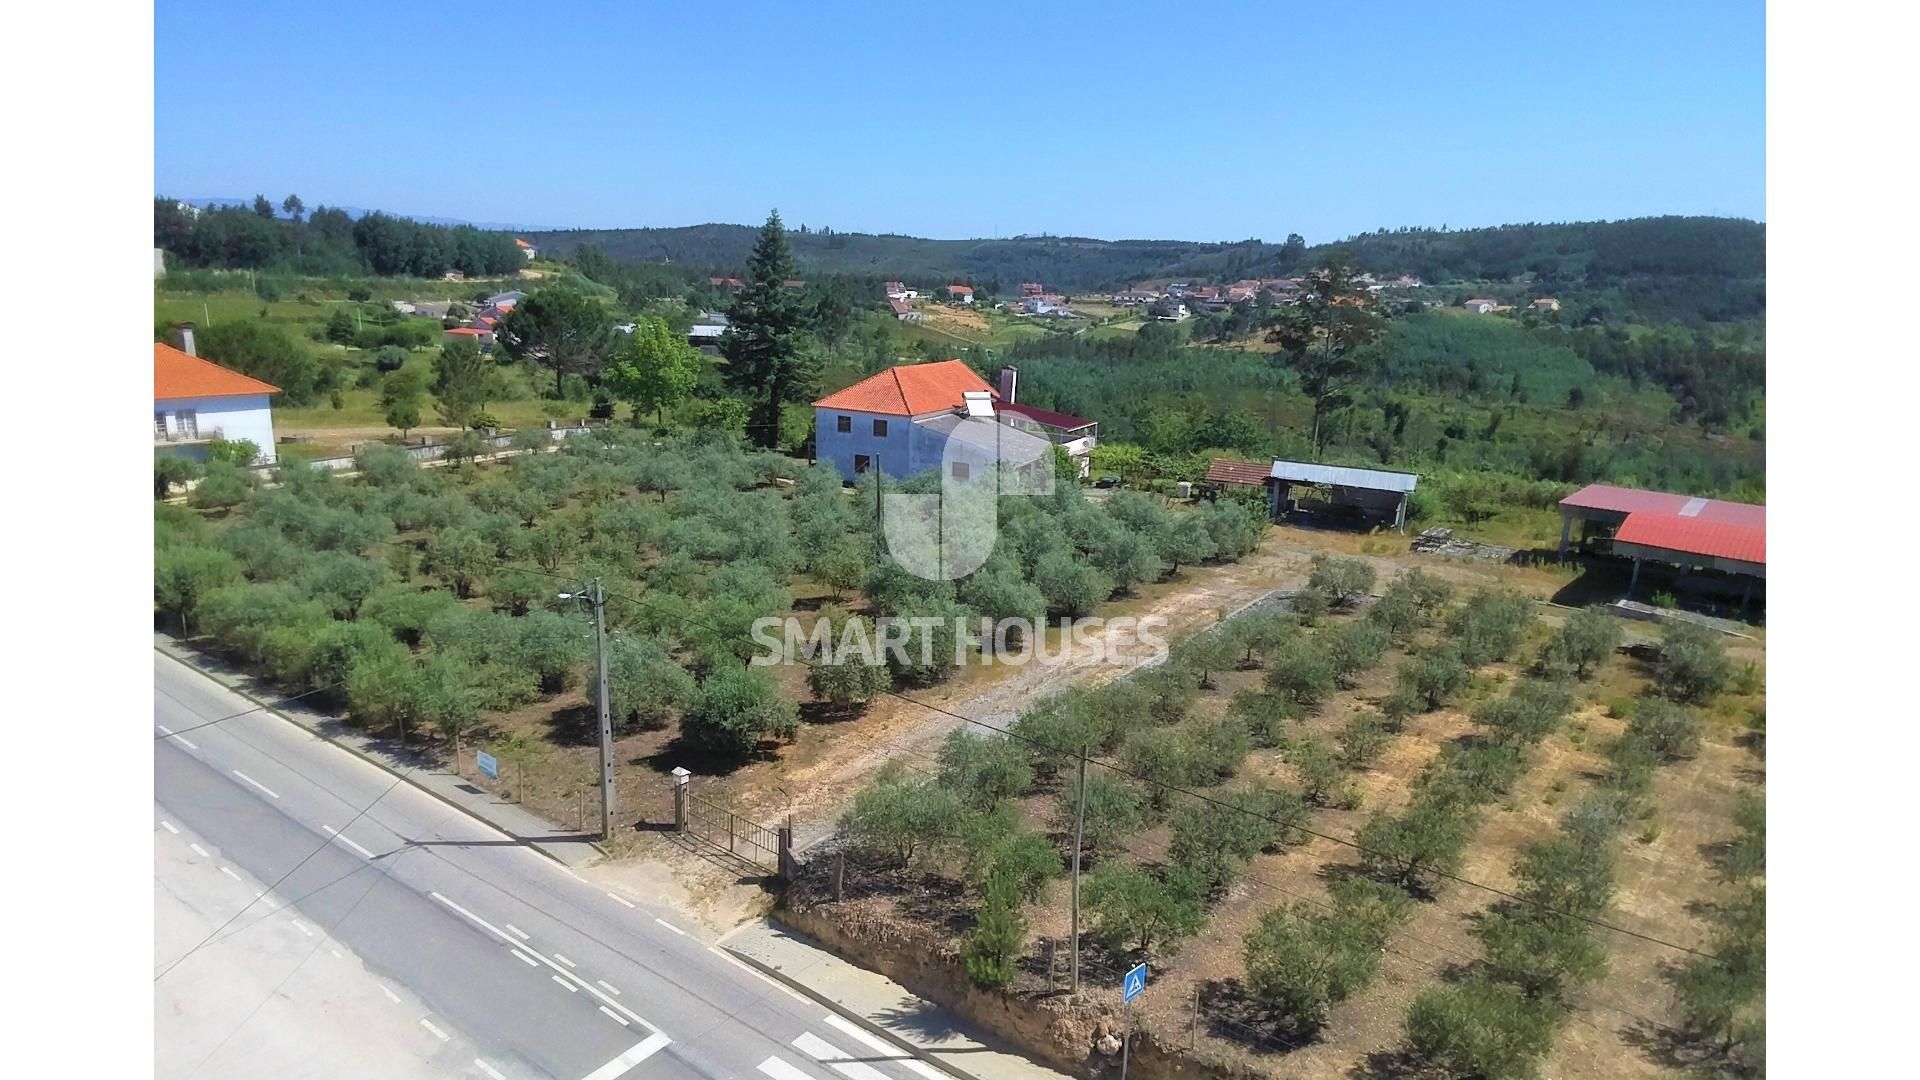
<point>1134,985</point>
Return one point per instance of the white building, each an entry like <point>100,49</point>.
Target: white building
<point>195,400</point>
<point>917,417</point>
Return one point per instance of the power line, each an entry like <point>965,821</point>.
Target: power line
<point>255,709</point>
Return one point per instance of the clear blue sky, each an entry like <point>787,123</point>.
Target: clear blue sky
<point>1207,122</point>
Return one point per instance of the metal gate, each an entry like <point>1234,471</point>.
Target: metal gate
<point>723,828</point>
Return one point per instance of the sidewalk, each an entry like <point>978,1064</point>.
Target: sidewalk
<point>565,846</point>
<point>879,1002</point>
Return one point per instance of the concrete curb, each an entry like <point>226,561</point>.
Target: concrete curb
<point>269,708</point>
<point>920,1053</point>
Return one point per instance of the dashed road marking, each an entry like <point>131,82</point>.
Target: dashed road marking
<point>621,1020</point>
<point>608,987</point>
<point>337,955</point>
<point>564,960</point>
<point>428,1024</point>
<point>528,960</point>
<point>228,870</point>
<point>197,849</point>
<point>564,984</point>
<point>342,837</point>
<point>671,927</point>
<point>168,825</point>
<point>622,899</point>
<point>262,897</point>
<point>517,932</point>
<point>503,936</point>
<point>488,1069</point>
<point>181,739</point>
<point>256,783</point>
<point>302,927</point>
<point>391,996</point>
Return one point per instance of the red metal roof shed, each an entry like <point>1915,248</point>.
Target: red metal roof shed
<point>1693,536</point>
<point>1619,500</point>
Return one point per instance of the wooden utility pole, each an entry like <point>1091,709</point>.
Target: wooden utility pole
<point>1079,830</point>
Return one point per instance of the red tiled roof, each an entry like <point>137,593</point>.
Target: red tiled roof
<point>960,288</point>
<point>1695,536</point>
<point>466,330</point>
<point>1622,500</point>
<point>1044,416</point>
<point>177,375</point>
<point>900,307</point>
<point>909,390</point>
<point>519,243</point>
<point>1228,471</point>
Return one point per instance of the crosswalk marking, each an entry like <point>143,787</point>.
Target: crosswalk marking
<point>839,1060</point>
<point>780,1070</point>
<point>874,1043</point>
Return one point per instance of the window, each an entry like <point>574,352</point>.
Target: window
<point>159,425</point>
<point>861,463</point>
<point>187,422</point>
<point>843,424</point>
<point>879,429</point>
<point>962,470</point>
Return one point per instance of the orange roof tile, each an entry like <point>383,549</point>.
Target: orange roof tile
<point>177,375</point>
<point>1229,471</point>
<point>909,390</point>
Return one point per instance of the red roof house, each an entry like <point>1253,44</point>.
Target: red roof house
<point>909,390</point>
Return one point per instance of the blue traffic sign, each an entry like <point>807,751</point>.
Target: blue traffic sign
<point>488,763</point>
<point>1135,984</point>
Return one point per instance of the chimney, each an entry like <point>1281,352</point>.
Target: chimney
<point>186,338</point>
<point>1009,382</point>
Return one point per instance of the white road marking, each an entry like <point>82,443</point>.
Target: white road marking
<point>228,870</point>
<point>181,739</point>
<point>337,954</point>
<point>168,825</point>
<point>517,932</point>
<point>671,927</point>
<point>530,961</point>
<point>842,1062</point>
<point>564,984</point>
<point>428,1024</point>
<point>876,1043</point>
<point>564,960</point>
<point>488,1069</point>
<point>638,1053</point>
<point>779,1069</point>
<point>758,974</point>
<point>538,955</point>
<point>262,897</point>
<point>391,996</point>
<point>302,927</point>
<point>197,849</point>
<point>342,837</point>
<point>617,1017</point>
<point>622,899</point>
<point>608,987</point>
<point>256,783</point>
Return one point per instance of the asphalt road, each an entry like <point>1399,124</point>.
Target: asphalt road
<point>475,955</point>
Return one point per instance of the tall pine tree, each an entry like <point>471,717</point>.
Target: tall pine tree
<point>766,359</point>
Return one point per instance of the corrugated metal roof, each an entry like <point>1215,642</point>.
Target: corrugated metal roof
<point>1228,471</point>
<point>1622,500</point>
<point>1045,416</point>
<point>1695,536</point>
<point>1304,472</point>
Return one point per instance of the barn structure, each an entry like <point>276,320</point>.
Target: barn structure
<point>1683,531</point>
<point>1374,496</point>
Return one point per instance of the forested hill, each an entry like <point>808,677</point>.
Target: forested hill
<point>1685,269</point>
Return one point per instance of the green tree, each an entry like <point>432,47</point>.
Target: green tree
<point>183,575</point>
<point>1321,778</point>
<point>1481,1028</point>
<point>1301,673</point>
<point>558,328</point>
<point>654,369</point>
<point>735,709</point>
<point>1670,730</point>
<point>1693,664</point>
<point>984,770</point>
<point>171,470</point>
<point>1582,643</point>
<point>841,567</point>
<point>1071,587</point>
<point>1303,959</point>
<point>401,394</point>
<point>1323,338</point>
<point>268,353</point>
<point>1342,581</point>
<point>766,360</point>
<point>1133,908</point>
<point>262,207</point>
<point>847,680</point>
<point>293,206</point>
<point>900,816</point>
<point>222,487</point>
<point>1354,648</point>
<point>645,686</point>
<point>463,382</point>
<point>1419,844</point>
<point>999,933</point>
<point>341,327</point>
<point>1114,809</point>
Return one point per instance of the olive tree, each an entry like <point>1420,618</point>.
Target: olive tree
<point>1692,665</point>
<point>1342,581</point>
<point>1133,908</point>
<point>1582,643</point>
<point>735,709</point>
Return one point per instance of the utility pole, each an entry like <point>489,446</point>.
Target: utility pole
<point>1079,826</point>
<point>599,597</point>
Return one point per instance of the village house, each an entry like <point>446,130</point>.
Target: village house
<point>915,417</point>
<point>1480,305</point>
<point>1544,304</point>
<point>196,401</point>
<point>962,294</point>
<point>479,335</point>
<point>1132,297</point>
<point>1032,288</point>
<point>727,284</point>
<point>1169,310</point>
<point>526,249</point>
<point>897,290</point>
<point>904,311</point>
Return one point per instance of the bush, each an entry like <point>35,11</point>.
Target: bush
<point>1670,730</point>
<point>735,709</point>
<point>900,816</point>
<point>1581,644</point>
<point>995,846</point>
<point>984,770</point>
<point>1343,582</point>
<point>222,487</point>
<point>1480,1028</point>
<point>1310,607</point>
<point>1692,665</point>
<point>1302,960</point>
<point>999,933</point>
<point>1133,908</point>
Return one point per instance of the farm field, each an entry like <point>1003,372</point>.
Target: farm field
<point>1669,881</point>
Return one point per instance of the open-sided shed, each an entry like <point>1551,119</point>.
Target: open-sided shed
<point>1374,493</point>
<point>1681,530</point>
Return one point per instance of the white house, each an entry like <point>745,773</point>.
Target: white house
<point>1480,305</point>
<point>195,400</point>
<point>526,249</point>
<point>916,417</point>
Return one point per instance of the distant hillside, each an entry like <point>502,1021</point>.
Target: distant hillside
<point>1686,269</point>
<point>356,213</point>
